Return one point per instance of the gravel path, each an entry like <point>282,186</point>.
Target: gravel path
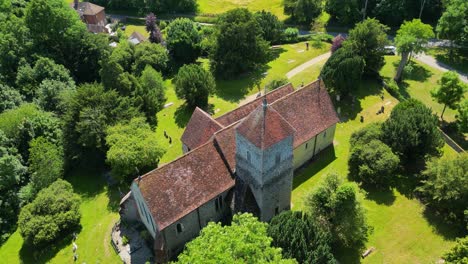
<point>307,64</point>
<point>432,62</point>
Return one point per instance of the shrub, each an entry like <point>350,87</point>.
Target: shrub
<point>290,35</point>
<point>183,40</point>
<point>194,84</point>
<point>459,253</point>
<point>276,83</point>
<point>54,213</point>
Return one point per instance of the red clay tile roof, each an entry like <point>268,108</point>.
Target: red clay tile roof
<point>226,140</point>
<point>88,9</point>
<point>179,187</point>
<point>199,129</point>
<point>309,110</point>
<point>264,127</point>
<point>243,111</point>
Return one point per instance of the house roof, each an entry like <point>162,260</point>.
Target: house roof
<point>87,8</point>
<point>137,36</point>
<point>309,110</point>
<point>179,187</point>
<point>264,127</point>
<point>242,111</point>
<point>200,129</point>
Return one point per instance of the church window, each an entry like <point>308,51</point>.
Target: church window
<point>307,145</point>
<point>180,228</point>
<point>278,157</point>
<point>248,156</point>
<point>276,210</point>
<point>325,134</point>
<point>219,203</point>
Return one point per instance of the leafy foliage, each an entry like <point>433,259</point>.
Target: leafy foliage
<point>372,131</point>
<point>239,46</point>
<point>446,187</point>
<point>155,35</point>
<point>462,117</point>
<point>452,24</point>
<point>133,149</point>
<point>291,35</point>
<point>373,163</point>
<point>337,43</point>
<point>301,238</point>
<point>342,70</point>
<point>303,11</point>
<point>183,40</point>
<point>336,206</point>
<point>152,54</point>
<point>51,92</point>
<point>459,253</point>
<point>150,93</point>
<point>53,214</point>
<point>9,98</point>
<point>244,241</point>
<point>450,92</point>
<point>45,163</point>
<point>276,83</point>
<point>194,84</point>
<point>368,39</point>
<point>412,132</point>
<point>272,28</point>
<point>346,12</point>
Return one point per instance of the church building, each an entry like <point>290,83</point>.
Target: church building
<point>242,161</point>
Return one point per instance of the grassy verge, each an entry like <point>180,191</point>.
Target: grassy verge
<point>221,6</point>
<point>458,60</point>
<point>98,215</point>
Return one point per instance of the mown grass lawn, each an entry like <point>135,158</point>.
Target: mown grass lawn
<point>403,232</point>
<point>457,60</point>
<point>220,6</point>
<point>98,214</point>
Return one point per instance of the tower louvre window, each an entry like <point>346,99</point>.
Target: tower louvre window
<point>278,157</point>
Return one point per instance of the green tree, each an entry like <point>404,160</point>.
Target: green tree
<point>372,131</point>
<point>445,187</point>
<point>450,92</point>
<point>152,54</point>
<point>113,77</point>
<point>239,46</point>
<point>462,117</point>
<point>337,207</point>
<point>276,83</point>
<point>458,254</point>
<point>9,98</point>
<point>346,12</point>
<point>301,238</point>
<point>368,39</point>
<point>194,84</point>
<point>133,149</point>
<point>54,213</point>
<point>45,163</point>
<point>452,24</point>
<point>412,131</point>
<point>244,241</point>
<point>272,27</point>
<point>412,37</point>
<point>342,70</point>
<point>150,94</point>
<point>50,94</point>
<point>183,40</point>
<point>373,163</point>
<point>303,11</point>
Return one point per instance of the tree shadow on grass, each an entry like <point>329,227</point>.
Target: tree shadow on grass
<point>182,115</point>
<point>316,164</point>
<point>350,106</point>
<point>452,131</point>
<point>87,182</point>
<point>30,255</point>
<point>348,255</point>
<point>449,231</point>
<point>383,196</point>
<point>413,72</point>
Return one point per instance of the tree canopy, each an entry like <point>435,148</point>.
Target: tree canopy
<point>239,46</point>
<point>134,149</point>
<point>458,254</point>
<point>183,40</point>
<point>450,91</point>
<point>150,93</point>
<point>194,84</point>
<point>303,11</point>
<point>244,241</point>
<point>462,117</point>
<point>272,28</point>
<point>53,213</point>
<point>452,24</point>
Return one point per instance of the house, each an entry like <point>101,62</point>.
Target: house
<point>136,38</point>
<point>92,15</point>
<point>242,161</point>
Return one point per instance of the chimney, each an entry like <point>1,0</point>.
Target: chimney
<point>75,4</point>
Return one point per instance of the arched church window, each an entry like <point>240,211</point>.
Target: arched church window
<point>180,228</point>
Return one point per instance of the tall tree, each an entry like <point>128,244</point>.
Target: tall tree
<point>450,91</point>
<point>152,54</point>
<point>301,238</point>
<point>412,37</point>
<point>412,131</point>
<point>452,24</point>
<point>272,27</point>
<point>244,241</point>
<point>303,11</point>
<point>133,149</point>
<point>239,46</point>
<point>183,40</point>
<point>368,39</point>
<point>346,12</point>
<point>463,116</point>
<point>9,98</point>
<point>194,84</point>
<point>153,29</point>
<point>150,94</point>
<point>337,207</point>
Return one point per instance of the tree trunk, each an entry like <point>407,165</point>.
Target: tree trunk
<point>442,115</point>
<point>409,58</point>
<point>399,73</point>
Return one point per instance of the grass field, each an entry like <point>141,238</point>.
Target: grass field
<point>206,7</point>
<point>98,214</point>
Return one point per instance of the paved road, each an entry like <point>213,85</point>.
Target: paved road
<point>432,62</point>
<point>307,64</point>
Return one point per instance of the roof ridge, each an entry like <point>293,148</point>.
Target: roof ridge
<point>307,86</point>
<point>209,116</point>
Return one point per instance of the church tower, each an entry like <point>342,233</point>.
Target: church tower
<point>264,163</point>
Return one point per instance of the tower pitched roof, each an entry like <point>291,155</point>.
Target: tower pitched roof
<point>265,127</point>
<point>200,129</point>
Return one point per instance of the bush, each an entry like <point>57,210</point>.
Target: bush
<point>53,214</point>
<point>290,35</point>
<point>276,83</point>
<point>194,84</point>
<point>152,54</point>
<point>183,40</point>
<point>9,98</point>
<point>373,163</point>
<point>372,131</point>
<point>459,253</point>
<point>272,28</point>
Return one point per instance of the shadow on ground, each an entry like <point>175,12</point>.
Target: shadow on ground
<point>447,230</point>
<point>380,196</point>
<point>182,115</point>
<point>313,166</point>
